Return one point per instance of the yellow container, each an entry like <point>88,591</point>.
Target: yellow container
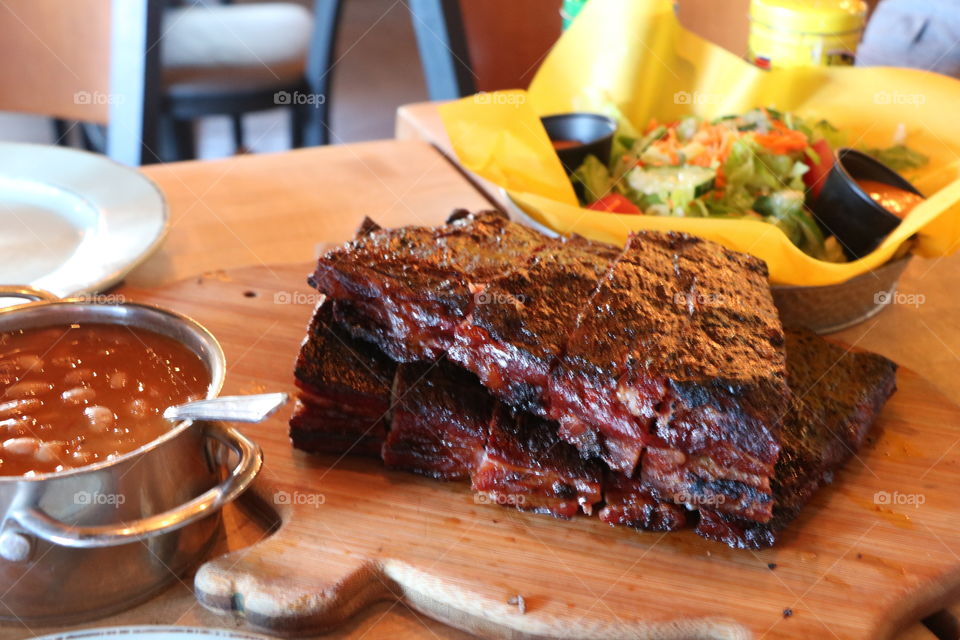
<point>804,33</point>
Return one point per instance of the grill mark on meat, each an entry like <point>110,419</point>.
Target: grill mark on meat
<point>838,397</point>
<point>520,322</point>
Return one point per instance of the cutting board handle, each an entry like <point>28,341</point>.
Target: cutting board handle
<point>256,584</point>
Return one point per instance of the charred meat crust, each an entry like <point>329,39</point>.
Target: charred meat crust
<point>521,320</point>
<point>681,323</point>
<point>367,226</point>
<point>318,430</point>
<point>680,348</point>
<point>629,502</point>
<point>412,286</point>
<point>702,482</point>
<point>332,360</point>
<point>344,391</point>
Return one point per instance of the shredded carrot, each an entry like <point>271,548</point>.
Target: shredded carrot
<point>782,142</point>
<point>781,139</point>
<point>711,144</point>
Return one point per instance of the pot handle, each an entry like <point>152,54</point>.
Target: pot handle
<point>27,293</point>
<point>37,523</point>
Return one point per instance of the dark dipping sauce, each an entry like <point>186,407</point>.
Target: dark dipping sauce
<point>79,394</point>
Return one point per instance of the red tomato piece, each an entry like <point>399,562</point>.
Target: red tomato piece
<point>614,203</point>
<point>817,176</point>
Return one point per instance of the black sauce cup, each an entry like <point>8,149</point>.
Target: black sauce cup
<point>592,131</point>
<point>848,212</point>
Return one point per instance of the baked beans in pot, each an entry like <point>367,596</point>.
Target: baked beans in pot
<point>103,501</point>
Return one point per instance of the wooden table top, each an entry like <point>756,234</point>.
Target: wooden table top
<point>281,208</point>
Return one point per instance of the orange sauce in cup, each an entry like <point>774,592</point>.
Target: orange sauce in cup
<point>78,394</point>
<point>559,145</point>
<point>897,201</point>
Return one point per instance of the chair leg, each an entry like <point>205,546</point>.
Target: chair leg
<point>61,131</point>
<point>185,137</point>
<point>311,125</point>
<point>177,141</point>
<point>93,137</point>
<point>296,127</point>
<point>237,122</point>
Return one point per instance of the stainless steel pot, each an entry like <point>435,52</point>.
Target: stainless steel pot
<point>86,542</point>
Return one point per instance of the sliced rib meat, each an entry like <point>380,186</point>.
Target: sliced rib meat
<point>679,348</point>
<point>838,395</point>
<point>521,321</point>
<point>407,289</point>
<point>527,466</point>
<point>630,503</point>
<point>440,421</point>
<point>344,397</point>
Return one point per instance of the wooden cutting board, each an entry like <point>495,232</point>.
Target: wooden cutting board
<point>872,553</point>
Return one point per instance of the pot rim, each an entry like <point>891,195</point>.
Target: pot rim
<point>215,361</point>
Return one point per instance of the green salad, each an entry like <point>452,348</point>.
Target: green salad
<point>763,164</point>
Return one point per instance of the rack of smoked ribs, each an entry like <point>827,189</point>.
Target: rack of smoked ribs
<point>653,385</point>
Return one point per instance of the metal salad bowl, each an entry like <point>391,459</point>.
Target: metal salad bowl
<point>86,542</point>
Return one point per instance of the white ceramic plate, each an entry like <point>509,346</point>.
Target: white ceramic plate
<point>153,633</point>
<point>73,222</point>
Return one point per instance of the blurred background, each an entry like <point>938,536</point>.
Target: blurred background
<point>209,78</point>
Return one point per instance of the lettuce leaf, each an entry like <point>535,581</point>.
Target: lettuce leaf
<point>786,210</point>
<point>899,157</point>
<point>595,178</point>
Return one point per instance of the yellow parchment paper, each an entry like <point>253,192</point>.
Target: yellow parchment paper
<point>634,55</point>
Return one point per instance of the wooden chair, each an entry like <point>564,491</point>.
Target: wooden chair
<point>226,59</point>
<point>85,60</point>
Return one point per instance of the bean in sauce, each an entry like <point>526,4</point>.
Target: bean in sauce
<point>78,394</point>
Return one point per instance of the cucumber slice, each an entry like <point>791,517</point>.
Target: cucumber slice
<point>691,180</point>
